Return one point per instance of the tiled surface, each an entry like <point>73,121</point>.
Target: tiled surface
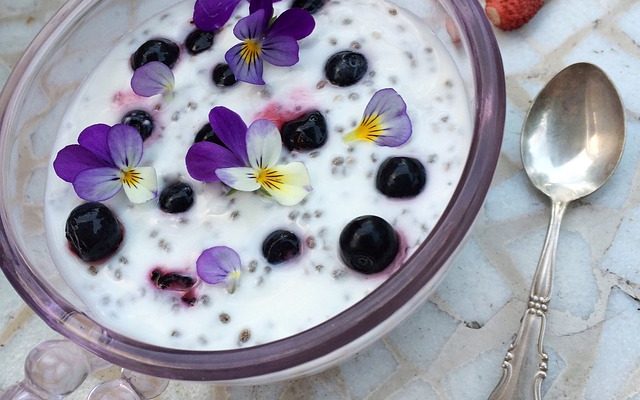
<point>452,347</point>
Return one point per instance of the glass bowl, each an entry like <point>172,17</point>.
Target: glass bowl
<point>33,103</point>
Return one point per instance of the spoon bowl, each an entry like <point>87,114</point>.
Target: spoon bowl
<point>573,136</point>
<point>572,141</point>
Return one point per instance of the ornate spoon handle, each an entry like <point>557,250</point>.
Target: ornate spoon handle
<point>521,377</point>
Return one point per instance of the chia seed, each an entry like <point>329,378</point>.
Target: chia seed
<point>164,245</point>
<point>311,242</point>
<point>224,318</point>
<point>253,265</point>
<point>338,274</point>
<point>245,335</point>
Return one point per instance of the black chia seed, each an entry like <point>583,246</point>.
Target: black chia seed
<point>245,335</point>
<point>311,242</point>
<point>253,265</point>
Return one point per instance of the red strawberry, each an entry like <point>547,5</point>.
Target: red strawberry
<point>511,14</point>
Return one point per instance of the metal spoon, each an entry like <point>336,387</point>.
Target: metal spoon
<point>572,141</point>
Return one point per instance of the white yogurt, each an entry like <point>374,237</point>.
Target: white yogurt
<point>272,302</point>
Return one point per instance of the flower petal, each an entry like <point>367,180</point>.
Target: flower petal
<point>281,51</point>
<point>97,184</point>
<point>151,79</point>
<point>294,22</point>
<point>249,71</point>
<point>239,178</point>
<point>125,146</point>
<point>204,158</point>
<point>251,26</point>
<point>140,184</point>
<point>231,130</point>
<point>73,159</point>
<point>266,5</point>
<point>293,184</point>
<point>385,120</point>
<point>264,144</point>
<point>216,264</point>
<point>210,15</point>
<point>94,139</point>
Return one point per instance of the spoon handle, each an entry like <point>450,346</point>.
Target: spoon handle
<point>521,377</point>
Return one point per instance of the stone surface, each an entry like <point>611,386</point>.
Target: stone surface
<point>452,347</point>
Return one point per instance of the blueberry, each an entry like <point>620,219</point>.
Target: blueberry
<point>345,68</point>
<point>171,280</point>
<point>93,232</point>
<point>310,5</point>
<point>176,198</point>
<point>141,120</point>
<point>199,41</point>
<point>280,246</point>
<point>368,244</point>
<point>163,50</point>
<point>401,177</point>
<point>308,132</point>
<point>206,133</point>
<point>223,76</point>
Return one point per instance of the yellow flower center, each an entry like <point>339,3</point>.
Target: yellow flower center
<point>369,129</point>
<point>250,52</point>
<point>269,178</point>
<point>130,177</point>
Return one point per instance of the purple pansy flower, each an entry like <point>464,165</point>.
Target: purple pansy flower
<point>153,78</point>
<point>275,43</point>
<point>219,264</point>
<point>385,121</point>
<point>211,15</point>
<point>250,160</point>
<point>105,161</point>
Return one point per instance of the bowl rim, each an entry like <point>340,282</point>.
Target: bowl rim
<point>331,335</point>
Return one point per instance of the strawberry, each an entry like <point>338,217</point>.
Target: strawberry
<point>511,14</point>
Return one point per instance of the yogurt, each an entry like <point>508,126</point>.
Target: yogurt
<point>271,301</point>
